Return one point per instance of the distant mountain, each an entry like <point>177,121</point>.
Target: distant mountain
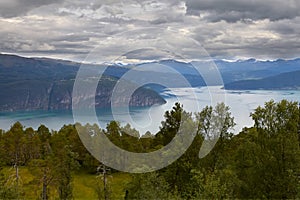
<point>47,84</point>
<point>246,74</point>
<point>42,83</point>
<point>254,69</point>
<point>289,80</point>
<point>159,71</point>
<point>233,71</point>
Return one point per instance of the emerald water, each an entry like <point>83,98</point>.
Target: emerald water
<point>242,103</point>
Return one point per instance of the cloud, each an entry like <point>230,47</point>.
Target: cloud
<point>71,29</point>
<point>286,28</point>
<point>14,8</point>
<point>236,10</point>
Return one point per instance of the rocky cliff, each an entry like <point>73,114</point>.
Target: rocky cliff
<point>44,84</point>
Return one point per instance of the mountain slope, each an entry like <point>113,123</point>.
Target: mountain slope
<point>253,69</point>
<point>289,80</point>
<point>46,84</point>
<point>233,71</point>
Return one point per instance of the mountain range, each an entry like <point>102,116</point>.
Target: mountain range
<point>47,84</point>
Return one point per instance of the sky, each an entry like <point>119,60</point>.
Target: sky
<point>225,29</point>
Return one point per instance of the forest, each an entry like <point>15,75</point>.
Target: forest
<point>261,162</point>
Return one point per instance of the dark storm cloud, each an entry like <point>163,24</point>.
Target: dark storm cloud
<point>14,8</point>
<point>236,10</point>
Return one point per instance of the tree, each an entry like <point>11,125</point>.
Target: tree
<point>65,163</point>
<point>114,132</point>
<point>146,141</point>
<point>31,145</point>
<point>170,126</point>
<point>219,184</point>
<point>13,143</point>
<point>248,163</point>
<point>3,155</point>
<point>177,174</point>
<point>103,188</point>
<point>130,139</point>
<point>148,186</point>
<point>215,124</point>
<point>277,127</point>
<point>44,165</point>
<point>44,172</point>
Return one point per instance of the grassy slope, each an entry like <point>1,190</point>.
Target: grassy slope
<point>83,184</point>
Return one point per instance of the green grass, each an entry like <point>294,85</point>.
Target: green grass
<point>84,184</point>
<point>28,184</point>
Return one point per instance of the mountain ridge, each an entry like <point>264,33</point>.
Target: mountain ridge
<point>44,84</point>
<point>284,81</point>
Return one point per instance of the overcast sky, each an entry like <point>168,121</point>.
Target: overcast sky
<point>226,29</point>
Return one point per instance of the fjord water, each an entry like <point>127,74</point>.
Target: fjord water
<point>241,103</point>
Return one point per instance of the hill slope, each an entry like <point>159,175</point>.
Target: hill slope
<point>289,80</point>
<point>46,84</point>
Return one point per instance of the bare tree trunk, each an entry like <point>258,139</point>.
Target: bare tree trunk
<point>106,190</point>
<point>17,175</point>
<point>44,191</point>
<point>105,183</point>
